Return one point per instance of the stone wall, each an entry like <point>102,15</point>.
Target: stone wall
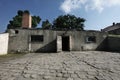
<point>4,43</point>
<point>82,44</point>
<point>20,40</point>
<point>113,43</point>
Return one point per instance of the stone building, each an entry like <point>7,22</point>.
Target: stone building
<point>113,29</point>
<point>26,39</point>
<point>38,40</point>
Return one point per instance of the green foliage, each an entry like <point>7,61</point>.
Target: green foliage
<point>68,22</point>
<point>46,24</point>
<point>62,22</point>
<point>112,35</point>
<point>35,21</point>
<point>16,22</point>
<point>20,12</point>
<point>26,11</point>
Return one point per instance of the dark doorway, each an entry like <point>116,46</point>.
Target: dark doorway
<point>65,43</point>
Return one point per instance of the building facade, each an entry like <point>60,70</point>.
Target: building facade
<point>38,40</point>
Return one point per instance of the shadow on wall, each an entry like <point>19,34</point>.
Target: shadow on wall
<point>103,46</point>
<point>108,44</point>
<point>113,43</point>
<point>48,48</point>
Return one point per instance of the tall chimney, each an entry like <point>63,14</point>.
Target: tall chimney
<point>26,20</point>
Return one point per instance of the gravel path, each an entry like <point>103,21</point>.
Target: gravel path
<point>89,65</point>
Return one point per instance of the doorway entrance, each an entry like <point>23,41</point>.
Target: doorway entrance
<point>65,43</point>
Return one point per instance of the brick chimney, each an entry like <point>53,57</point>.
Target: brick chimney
<point>26,20</point>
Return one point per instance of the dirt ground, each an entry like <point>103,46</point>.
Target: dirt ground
<point>85,65</point>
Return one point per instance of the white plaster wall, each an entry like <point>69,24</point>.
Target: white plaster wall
<point>4,43</point>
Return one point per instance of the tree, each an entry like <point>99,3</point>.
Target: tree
<point>16,22</point>
<point>35,21</point>
<point>68,22</point>
<point>46,24</point>
<point>20,12</point>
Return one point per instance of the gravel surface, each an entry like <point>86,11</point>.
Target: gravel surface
<point>86,65</point>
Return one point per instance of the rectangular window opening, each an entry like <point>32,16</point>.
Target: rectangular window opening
<point>16,31</point>
<point>90,39</point>
<point>37,38</point>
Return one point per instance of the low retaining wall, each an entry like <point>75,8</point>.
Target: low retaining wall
<point>114,43</point>
<point>4,43</point>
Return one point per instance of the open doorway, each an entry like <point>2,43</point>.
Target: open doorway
<point>65,43</point>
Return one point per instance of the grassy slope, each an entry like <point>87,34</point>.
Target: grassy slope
<point>10,57</point>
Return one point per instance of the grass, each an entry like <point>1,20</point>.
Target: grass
<point>10,56</point>
<point>111,35</point>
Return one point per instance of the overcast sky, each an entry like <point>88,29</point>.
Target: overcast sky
<point>98,13</point>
